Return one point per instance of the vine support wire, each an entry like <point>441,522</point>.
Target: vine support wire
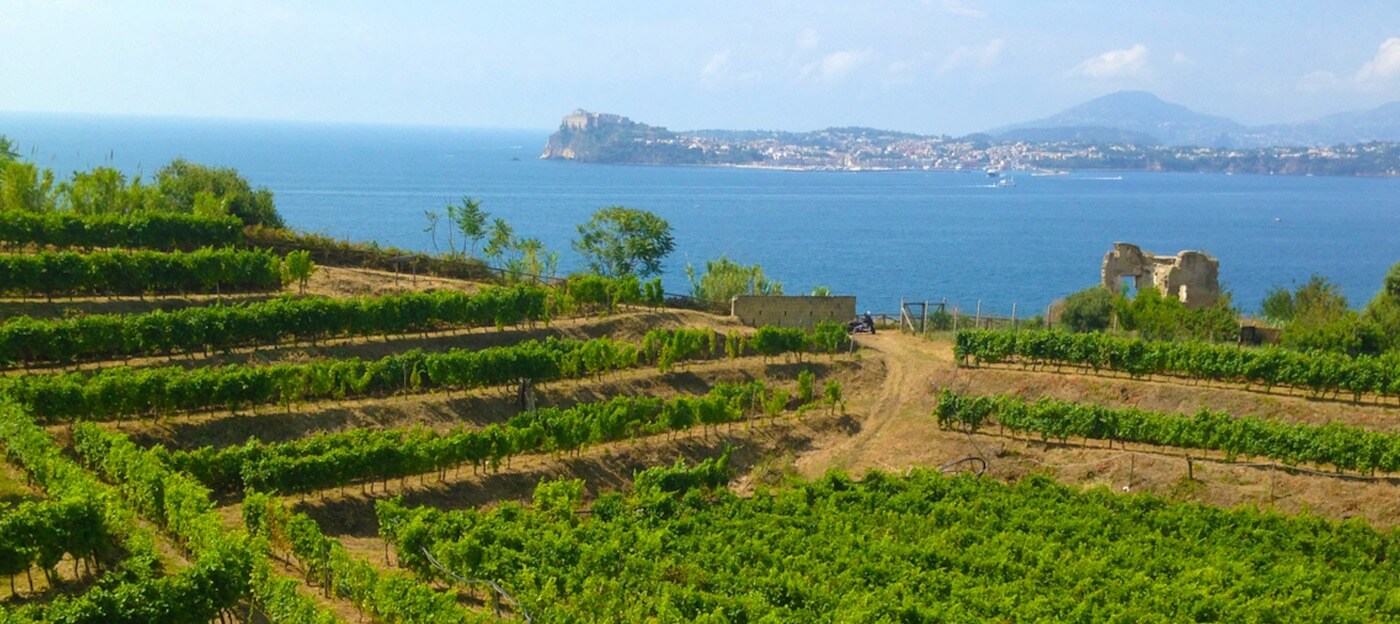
<point>515,606</point>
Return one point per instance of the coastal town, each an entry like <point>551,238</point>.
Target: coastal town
<point>596,137</point>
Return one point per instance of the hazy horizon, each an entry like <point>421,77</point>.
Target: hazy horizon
<point>930,67</point>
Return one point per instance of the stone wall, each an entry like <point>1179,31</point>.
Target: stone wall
<point>1191,277</point>
<point>806,312</point>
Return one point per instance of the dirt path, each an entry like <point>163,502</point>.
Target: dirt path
<point>898,433</point>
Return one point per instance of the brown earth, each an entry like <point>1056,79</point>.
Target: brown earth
<point>326,281</point>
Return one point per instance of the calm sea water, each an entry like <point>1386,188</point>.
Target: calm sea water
<point>880,236</point>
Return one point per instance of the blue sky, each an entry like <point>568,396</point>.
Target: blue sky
<point>937,66</point>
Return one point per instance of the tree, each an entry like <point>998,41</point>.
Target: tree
<point>23,186</point>
<point>821,291</point>
<point>181,180</point>
<point>619,241</point>
<point>500,239</point>
<point>299,267</point>
<point>7,150</point>
<point>1090,309</point>
<point>1278,305</point>
<point>724,279</point>
<point>1391,284</point>
<point>433,218</point>
<point>470,220</point>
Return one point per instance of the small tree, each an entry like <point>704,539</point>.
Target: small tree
<point>470,220</point>
<point>298,267</point>
<point>1090,309</point>
<point>821,291</point>
<point>724,279</point>
<point>433,219</point>
<point>805,381</point>
<point>619,241</point>
<point>500,240</point>
<point>832,393</point>
<point>7,149</point>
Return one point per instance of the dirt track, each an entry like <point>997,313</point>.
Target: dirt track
<point>899,432</point>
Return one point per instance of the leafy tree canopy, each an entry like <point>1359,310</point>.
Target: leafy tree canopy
<point>622,241</point>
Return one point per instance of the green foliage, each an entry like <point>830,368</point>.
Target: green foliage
<point>1090,309</point>
<point>24,340</point>
<point>1348,448</point>
<point>920,548</point>
<point>1156,317</point>
<point>469,220</point>
<point>298,267</point>
<point>1320,372</point>
<point>26,188</point>
<point>619,241</point>
<point>821,291</point>
<point>831,392</point>
<point>8,152</point>
<point>104,190</point>
<point>1391,284</point>
<point>805,380</point>
<point>771,341</point>
<point>142,230</point>
<point>830,337</point>
<point>329,251</point>
<point>1316,318</point>
<point>337,459</point>
<point>723,280</point>
<point>139,272</point>
<point>1278,305</point>
<point>181,182</point>
<point>940,320</point>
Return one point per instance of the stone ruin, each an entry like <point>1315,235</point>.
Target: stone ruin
<point>1190,276</point>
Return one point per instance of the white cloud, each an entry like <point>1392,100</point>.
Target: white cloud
<point>1125,63</point>
<point>1376,73</point>
<point>721,69</point>
<point>956,7</point>
<point>808,39</point>
<point>836,66</point>
<point>981,56</point>
<point>1383,66</point>
<point>1180,58</point>
<point>717,64</point>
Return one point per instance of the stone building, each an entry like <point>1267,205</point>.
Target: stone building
<point>1191,277</point>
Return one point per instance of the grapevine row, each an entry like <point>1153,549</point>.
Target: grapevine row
<point>1321,373</point>
<point>123,391</point>
<point>206,270</point>
<point>194,596</point>
<point>329,460</point>
<point>1348,448</point>
<point>142,230</point>
<point>26,341</point>
<point>238,563</point>
<point>679,547</point>
<point>326,562</point>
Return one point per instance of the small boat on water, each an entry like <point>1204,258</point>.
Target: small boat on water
<point>1006,182</point>
<point>993,172</point>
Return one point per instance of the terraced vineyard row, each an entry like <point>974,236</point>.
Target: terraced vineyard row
<point>678,546</point>
<point>206,270</point>
<point>163,231</point>
<point>120,392</point>
<point>330,460</point>
<point>227,567</point>
<point>1347,448</point>
<point>27,341</point>
<point>1320,373</point>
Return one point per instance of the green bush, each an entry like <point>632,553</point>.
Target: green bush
<point>1090,309</point>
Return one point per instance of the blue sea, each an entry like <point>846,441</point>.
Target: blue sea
<point>883,236</point>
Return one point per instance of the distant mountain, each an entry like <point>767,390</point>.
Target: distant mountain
<point>1139,112</point>
<point>1173,124</point>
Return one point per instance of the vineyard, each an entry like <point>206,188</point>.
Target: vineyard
<point>425,439</point>
<point>1321,374</point>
